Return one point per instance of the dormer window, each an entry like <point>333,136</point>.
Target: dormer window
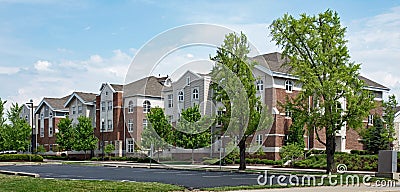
<point>289,85</point>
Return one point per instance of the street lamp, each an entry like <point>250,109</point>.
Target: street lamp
<point>33,141</point>
<point>102,139</point>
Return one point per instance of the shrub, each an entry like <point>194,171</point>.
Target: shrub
<point>52,157</point>
<point>359,152</point>
<point>21,157</point>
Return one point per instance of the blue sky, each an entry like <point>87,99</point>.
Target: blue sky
<point>51,48</point>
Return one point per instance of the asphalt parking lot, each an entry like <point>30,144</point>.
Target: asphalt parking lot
<point>187,178</point>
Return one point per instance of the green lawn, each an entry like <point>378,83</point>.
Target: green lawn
<point>17,183</point>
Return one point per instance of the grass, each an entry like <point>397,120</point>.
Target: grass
<point>17,183</point>
<point>250,187</point>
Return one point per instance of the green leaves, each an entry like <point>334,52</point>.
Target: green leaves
<point>79,137</point>
<point>84,135</point>
<point>316,48</point>
<point>17,134</point>
<point>66,135</point>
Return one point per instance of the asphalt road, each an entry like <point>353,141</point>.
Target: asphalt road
<point>190,179</point>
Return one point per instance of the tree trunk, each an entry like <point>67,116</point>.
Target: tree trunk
<point>330,153</point>
<point>242,149</point>
<point>192,156</point>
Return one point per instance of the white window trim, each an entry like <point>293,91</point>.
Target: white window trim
<point>289,83</point>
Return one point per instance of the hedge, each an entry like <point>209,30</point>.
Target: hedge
<point>352,161</point>
<point>21,157</point>
<point>134,159</point>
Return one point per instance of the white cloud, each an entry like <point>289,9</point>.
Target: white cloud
<point>87,28</point>
<point>9,70</point>
<point>42,65</point>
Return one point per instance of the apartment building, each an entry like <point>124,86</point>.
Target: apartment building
<point>284,85</point>
<point>81,104</point>
<point>139,97</point>
<point>396,143</point>
<point>27,113</point>
<point>49,111</point>
<point>109,116</point>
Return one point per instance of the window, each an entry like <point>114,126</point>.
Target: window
<point>259,139</point>
<point>260,85</point>
<point>144,123</point>
<point>146,106</point>
<point>370,119</point>
<point>289,85</point>
<point>51,130</point>
<point>103,126</point>
<point>103,106</point>
<point>130,125</point>
<point>188,80</point>
<point>288,113</point>
<point>131,146</point>
<point>79,109</point>
<point>73,110</point>
<point>130,107</point>
<point>109,125</point>
<point>180,96</point>
<point>195,94</point>
<point>170,118</point>
<point>106,92</point>
<point>51,115</point>
<point>26,118</point>
<point>170,101</point>
<point>110,106</point>
<point>41,125</point>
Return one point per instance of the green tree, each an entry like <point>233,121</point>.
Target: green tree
<point>66,135</point>
<point>2,125</point>
<point>234,87</point>
<point>292,152</point>
<point>84,136</point>
<point>109,149</point>
<point>316,48</point>
<point>17,134</point>
<point>159,131</point>
<point>193,131</point>
<point>376,138</point>
<point>389,111</point>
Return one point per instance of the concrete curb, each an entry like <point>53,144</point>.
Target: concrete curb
<point>19,173</point>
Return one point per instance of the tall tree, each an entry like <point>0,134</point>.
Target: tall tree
<point>193,131</point>
<point>389,111</point>
<point>66,134</point>
<point>234,87</point>
<point>17,134</point>
<point>84,135</point>
<point>316,48</point>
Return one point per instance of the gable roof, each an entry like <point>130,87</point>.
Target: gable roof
<point>114,87</point>
<point>86,98</point>
<point>372,84</point>
<point>148,86</point>
<point>276,63</point>
<point>55,104</point>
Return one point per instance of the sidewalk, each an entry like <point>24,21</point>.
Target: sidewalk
<point>216,167</point>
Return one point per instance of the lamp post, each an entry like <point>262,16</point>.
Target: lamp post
<point>32,126</point>
<point>102,139</point>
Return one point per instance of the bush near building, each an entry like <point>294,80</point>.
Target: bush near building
<point>21,157</point>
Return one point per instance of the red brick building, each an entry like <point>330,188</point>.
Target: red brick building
<point>278,84</point>
<point>49,113</point>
